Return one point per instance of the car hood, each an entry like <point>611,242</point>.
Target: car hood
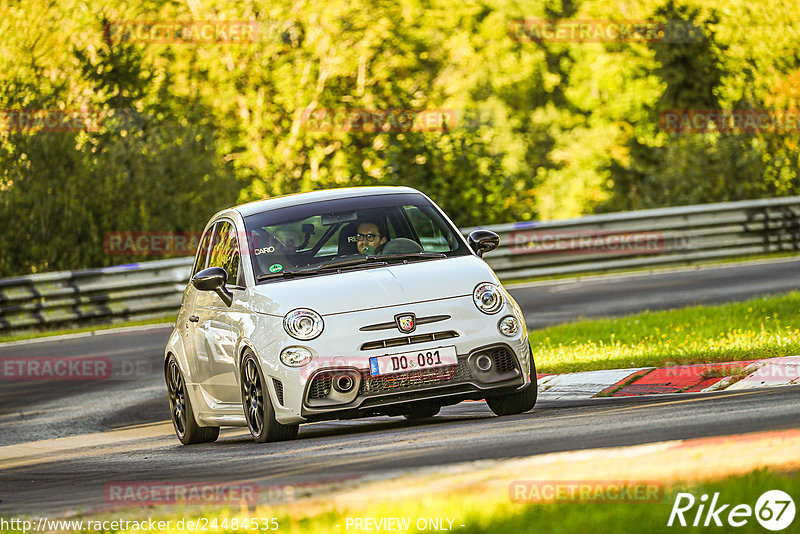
<point>375,287</point>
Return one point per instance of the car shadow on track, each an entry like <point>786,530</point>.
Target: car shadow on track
<point>352,427</point>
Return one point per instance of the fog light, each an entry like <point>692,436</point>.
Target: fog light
<point>296,356</point>
<point>508,326</point>
<point>483,362</point>
<point>343,383</point>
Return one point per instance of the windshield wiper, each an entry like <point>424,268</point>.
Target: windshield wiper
<point>285,274</point>
<point>413,256</point>
<point>351,262</point>
<point>382,259</point>
<point>371,261</point>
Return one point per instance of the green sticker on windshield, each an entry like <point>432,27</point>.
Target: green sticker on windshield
<point>275,268</point>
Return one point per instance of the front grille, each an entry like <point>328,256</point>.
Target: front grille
<point>393,324</point>
<point>278,390</point>
<point>373,385</point>
<point>409,340</point>
<point>503,359</point>
<point>320,386</point>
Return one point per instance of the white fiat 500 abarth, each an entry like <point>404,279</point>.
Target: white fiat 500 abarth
<point>340,304</point>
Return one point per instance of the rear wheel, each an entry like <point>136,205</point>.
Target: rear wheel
<point>258,407</point>
<point>180,407</point>
<point>422,411</point>
<point>519,401</point>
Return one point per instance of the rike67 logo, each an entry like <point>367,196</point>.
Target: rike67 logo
<point>774,510</point>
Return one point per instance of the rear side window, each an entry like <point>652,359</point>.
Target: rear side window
<point>225,251</point>
<point>201,258</point>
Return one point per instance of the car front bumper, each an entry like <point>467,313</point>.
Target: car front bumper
<point>346,346</point>
<point>392,394</point>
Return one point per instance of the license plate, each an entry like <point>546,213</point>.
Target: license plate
<point>412,361</point>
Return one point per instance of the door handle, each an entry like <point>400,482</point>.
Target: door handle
<point>194,318</point>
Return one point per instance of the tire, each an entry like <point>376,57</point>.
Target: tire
<point>422,411</point>
<point>180,408</point>
<point>258,409</point>
<point>519,401</point>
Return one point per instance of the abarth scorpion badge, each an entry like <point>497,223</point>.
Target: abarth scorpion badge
<point>406,322</point>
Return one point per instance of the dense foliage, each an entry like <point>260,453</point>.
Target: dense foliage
<point>535,129</point>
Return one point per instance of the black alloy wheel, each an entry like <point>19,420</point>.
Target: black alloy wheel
<point>258,409</point>
<point>180,407</point>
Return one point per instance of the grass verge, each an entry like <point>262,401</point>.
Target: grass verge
<point>471,512</point>
<point>91,328</point>
<point>758,328</point>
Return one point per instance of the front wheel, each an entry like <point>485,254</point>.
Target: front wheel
<point>180,407</point>
<point>258,407</point>
<point>519,401</point>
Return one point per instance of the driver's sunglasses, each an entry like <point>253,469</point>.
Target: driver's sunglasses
<point>367,237</point>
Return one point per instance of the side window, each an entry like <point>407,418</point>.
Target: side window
<point>431,237</point>
<point>202,252</point>
<point>225,251</point>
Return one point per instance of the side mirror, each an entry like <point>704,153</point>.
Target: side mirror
<point>213,279</point>
<point>483,241</point>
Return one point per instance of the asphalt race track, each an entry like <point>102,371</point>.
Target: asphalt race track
<point>338,452</point>
<point>95,445</point>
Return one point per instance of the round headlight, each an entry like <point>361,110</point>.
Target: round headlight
<point>508,326</point>
<point>296,356</point>
<point>303,324</point>
<point>488,298</point>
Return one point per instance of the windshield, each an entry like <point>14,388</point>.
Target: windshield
<point>348,233</point>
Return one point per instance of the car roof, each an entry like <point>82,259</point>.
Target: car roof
<point>317,196</point>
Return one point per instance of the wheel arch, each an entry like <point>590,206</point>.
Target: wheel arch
<point>244,346</point>
<point>268,377</point>
<point>176,349</point>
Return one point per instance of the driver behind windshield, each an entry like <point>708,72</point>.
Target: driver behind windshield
<point>371,236</point>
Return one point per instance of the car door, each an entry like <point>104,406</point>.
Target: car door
<point>188,317</point>
<point>215,335</point>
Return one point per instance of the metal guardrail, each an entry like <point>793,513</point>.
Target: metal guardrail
<point>124,292</point>
<point>634,239</point>
<point>605,242</point>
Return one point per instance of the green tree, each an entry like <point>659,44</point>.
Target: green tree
<point>151,169</point>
